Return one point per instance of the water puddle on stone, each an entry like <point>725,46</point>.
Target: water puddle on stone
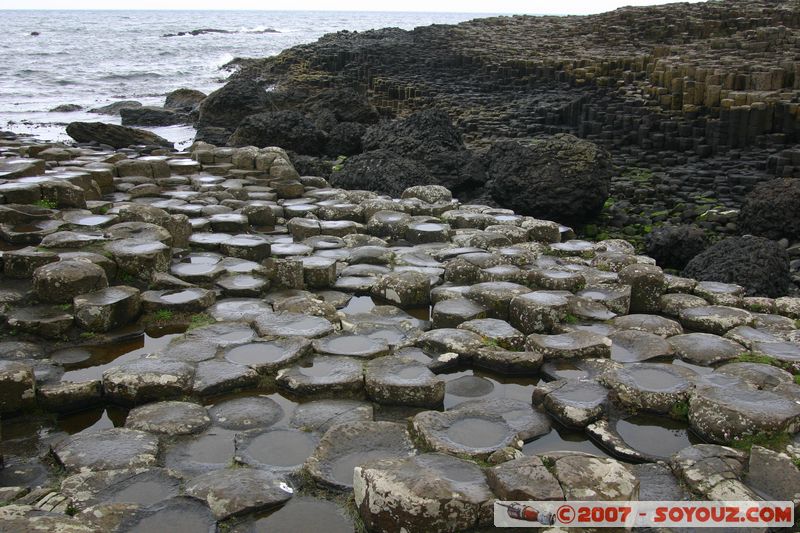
<point>179,297</point>
<point>656,380</point>
<point>174,521</point>
<point>410,373</point>
<point>211,450</point>
<point>477,432</point>
<point>342,467</point>
<point>350,344</point>
<point>91,361</point>
<point>359,304</point>
<point>255,353</point>
<point>92,420</point>
<point>659,436</point>
<point>562,438</point>
<point>23,433</point>
<point>144,492</point>
<point>282,448</point>
<point>286,404</point>
<point>303,513</point>
<point>475,384</point>
<point>95,220</point>
<point>702,370</point>
<point>365,304</point>
<point>24,472</point>
<point>11,247</point>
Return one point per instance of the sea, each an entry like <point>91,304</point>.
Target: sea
<point>94,58</point>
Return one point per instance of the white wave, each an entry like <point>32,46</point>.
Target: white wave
<point>258,29</point>
<point>220,61</point>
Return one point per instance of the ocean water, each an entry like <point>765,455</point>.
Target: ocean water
<point>93,58</point>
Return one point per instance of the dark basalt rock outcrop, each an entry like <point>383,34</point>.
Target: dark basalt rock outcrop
<point>430,138</point>
<point>758,264</point>
<point>228,105</point>
<point>289,129</point>
<point>340,105</point>
<point>675,246</point>
<point>116,107</point>
<point>66,108</point>
<point>113,135</point>
<point>152,116</point>
<point>772,210</point>
<point>381,171</point>
<point>700,96</point>
<point>560,178</point>
<point>184,99</point>
<point>345,139</point>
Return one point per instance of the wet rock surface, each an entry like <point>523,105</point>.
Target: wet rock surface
<point>431,491</point>
<point>241,344</point>
<point>347,445</point>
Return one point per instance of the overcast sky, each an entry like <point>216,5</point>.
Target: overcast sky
<point>573,7</point>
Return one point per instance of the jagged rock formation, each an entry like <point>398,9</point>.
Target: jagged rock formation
<point>703,96</point>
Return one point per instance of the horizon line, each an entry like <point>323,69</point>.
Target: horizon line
<point>111,9</point>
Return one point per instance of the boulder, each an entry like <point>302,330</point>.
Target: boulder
<point>381,171</point>
<point>772,210</point>
<point>560,178</point>
<point>756,263</point>
<point>113,135</point>
<point>228,105</point>
<point>675,246</point>
<point>116,107</point>
<point>152,116</point>
<point>184,99</point>
<point>290,130</point>
<point>65,108</point>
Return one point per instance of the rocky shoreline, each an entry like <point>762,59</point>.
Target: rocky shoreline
<point>209,338</point>
<point>409,280</point>
<point>695,103</point>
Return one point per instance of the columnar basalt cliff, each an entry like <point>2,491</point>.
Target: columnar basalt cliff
<point>716,75</point>
<point>697,103</point>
